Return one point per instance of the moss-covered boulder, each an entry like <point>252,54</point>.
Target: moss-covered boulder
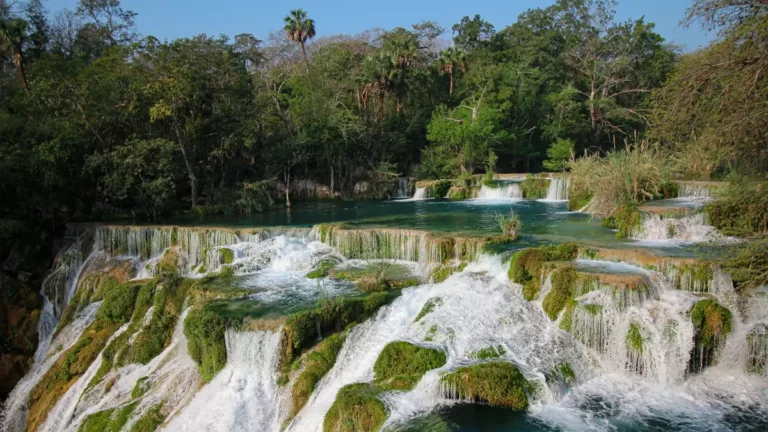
<point>315,364</point>
<point>497,383</point>
<point>206,341</point>
<point>563,281</point>
<point>712,324</point>
<point>525,268</point>
<point>401,365</point>
<point>357,409</point>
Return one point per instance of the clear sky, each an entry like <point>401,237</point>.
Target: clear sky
<point>180,18</point>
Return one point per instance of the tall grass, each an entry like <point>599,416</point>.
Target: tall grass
<point>635,174</point>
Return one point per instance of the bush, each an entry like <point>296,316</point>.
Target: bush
<point>626,220</point>
<point>741,209</point>
<point>118,304</point>
<point>497,383</point>
<point>510,225</point>
<point>316,364</point>
<point>535,187</point>
<point>206,341</point>
<point>748,264</point>
<point>356,409</point>
<point>401,365</point>
<point>578,200</point>
<point>440,188</point>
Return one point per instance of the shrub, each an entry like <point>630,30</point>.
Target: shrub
<point>118,304</point>
<point>578,200</point>
<point>356,409</point>
<point>316,364</point>
<point>741,209</point>
<point>510,225</point>
<point>626,220</point>
<point>497,383</point>
<point>206,341</point>
<point>535,187</point>
<point>440,188</point>
<point>401,365</point>
<point>748,264</point>
<point>459,193</point>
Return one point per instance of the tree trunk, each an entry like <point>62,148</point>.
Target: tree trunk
<point>398,106</point>
<point>190,171</point>
<point>287,176</point>
<point>332,184</point>
<point>18,61</point>
<point>450,75</point>
<point>381,105</point>
<point>304,51</point>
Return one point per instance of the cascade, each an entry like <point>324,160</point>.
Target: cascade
<point>506,190</point>
<point>401,190</point>
<point>696,190</point>
<point>244,396</point>
<point>690,229</point>
<point>558,188</point>
<point>421,193</point>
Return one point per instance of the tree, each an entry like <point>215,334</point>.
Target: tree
<point>559,154</point>
<point>109,20</point>
<point>299,28</point>
<point>471,34</point>
<point>13,34</point>
<point>451,58</point>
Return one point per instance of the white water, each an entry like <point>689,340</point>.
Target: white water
<point>244,396</point>
<point>695,190</point>
<point>690,229</point>
<point>402,187</point>
<point>505,191</point>
<point>420,194</point>
<point>558,189</point>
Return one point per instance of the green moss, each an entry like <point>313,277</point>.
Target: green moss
<point>497,383</point>
<point>206,343</point>
<point>563,280</point>
<point>111,420</point>
<point>488,353</point>
<point>141,388</point>
<point>626,219</point>
<point>429,306</point>
<point>561,252</point>
<point>441,273</point>
<point>226,271</point>
<point>459,193</point>
<point>562,373</point>
<point>300,331</point>
<point>700,273</point>
<point>711,321</point>
<point>322,269</point>
<point>167,305</point>
<point>401,365</point>
<point>578,200</point>
<point>404,283</point>
<point>757,341</point>
<point>357,408</point>
<point>150,421</point>
<point>431,334</point>
<point>226,256</point>
<point>535,187</point>
<point>316,364</point>
<point>592,309</point>
<point>566,323</point>
<point>440,188</point>
<point>634,340</point>
<point>118,304</point>
<point>525,268</point>
<point>175,236</point>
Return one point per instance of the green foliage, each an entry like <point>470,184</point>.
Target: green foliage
<point>626,220</point>
<point>535,187</point>
<point>711,321</point>
<point>429,307</point>
<point>150,421</point>
<point>316,364</point>
<point>300,331</point>
<point>111,420</point>
<point>748,264</point>
<point>118,304</point>
<point>142,386</point>
<point>510,225</point>
<point>442,272</point>
<point>563,373</point>
<point>401,365</point>
<point>206,342</point>
<point>634,339</point>
<point>559,153</point>
<point>322,269</point>
<point>525,268</point>
<point>563,281</point>
<point>488,353</point>
<point>460,193</point>
<point>356,409</point>
<point>167,304</point>
<point>496,383</point>
<point>579,199</point>
<point>741,208</point>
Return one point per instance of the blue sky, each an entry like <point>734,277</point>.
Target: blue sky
<point>180,18</point>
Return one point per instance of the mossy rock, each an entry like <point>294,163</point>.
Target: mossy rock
<point>357,408</point>
<point>712,324</point>
<point>440,273</point>
<point>699,273</point>
<point>142,386</point>
<point>525,268</point>
<point>316,364</point>
<point>111,420</point>
<point>206,341</point>
<point>300,331</point>
<point>429,307</point>
<point>562,373</point>
<point>488,353</point>
<point>496,383</point>
<point>535,187</point>
<point>634,339</point>
<point>563,281</point>
<point>401,365</point>
<point>322,268</point>
<point>150,421</point>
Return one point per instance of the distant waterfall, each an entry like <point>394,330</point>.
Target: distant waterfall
<point>558,189</point>
<point>503,192</point>
<point>402,187</point>
<point>696,190</point>
<point>690,229</point>
<point>421,193</point>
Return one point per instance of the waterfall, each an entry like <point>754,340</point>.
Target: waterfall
<point>401,190</point>
<point>422,193</point>
<point>558,189</point>
<point>244,396</point>
<point>696,190</point>
<point>505,191</point>
<point>689,229</point>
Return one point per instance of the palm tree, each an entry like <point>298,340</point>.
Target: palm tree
<point>13,33</point>
<point>299,28</point>
<point>451,58</point>
<point>379,68</point>
<point>401,48</point>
